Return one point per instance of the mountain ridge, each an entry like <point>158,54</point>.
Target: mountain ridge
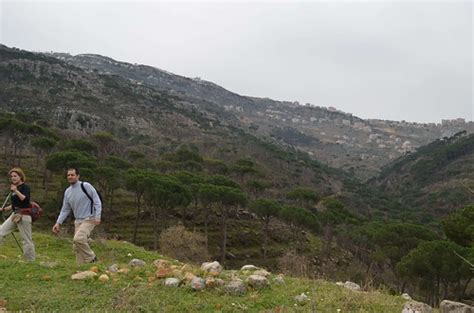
<point>322,132</point>
<point>87,101</point>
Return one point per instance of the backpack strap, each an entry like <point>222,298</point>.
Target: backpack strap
<point>88,196</point>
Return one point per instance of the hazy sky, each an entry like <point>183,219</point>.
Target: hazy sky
<point>399,60</point>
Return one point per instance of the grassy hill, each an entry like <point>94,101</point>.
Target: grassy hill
<point>43,286</point>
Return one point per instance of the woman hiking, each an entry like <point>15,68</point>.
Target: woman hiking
<point>20,199</point>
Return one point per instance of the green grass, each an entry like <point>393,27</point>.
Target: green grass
<point>33,287</point>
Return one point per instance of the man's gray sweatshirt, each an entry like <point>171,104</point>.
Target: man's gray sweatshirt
<point>76,200</point>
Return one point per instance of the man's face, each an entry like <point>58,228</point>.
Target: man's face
<point>72,177</point>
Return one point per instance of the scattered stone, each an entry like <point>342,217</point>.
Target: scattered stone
<point>83,275</point>
<point>113,268</point>
<point>352,286</point>
<point>416,307</point>
<point>94,269</point>
<point>137,263</point>
<point>188,276</point>
<point>49,264</point>
<point>301,299</point>
<point>104,278</point>
<point>198,283</point>
<point>257,281</point>
<point>163,273</point>
<point>249,268</point>
<point>211,267</point>
<point>210,282</point>
<point>214,273</point>
<point>263,273</point>
<point>46,278</point>
<point>123,270</point>
<point>236,287</point>
<point>279,280</point>
<point>340,283</point>
<point>172,282</point>
<point>447,306</point>
<point>406,296</point>
<point>159,264</point>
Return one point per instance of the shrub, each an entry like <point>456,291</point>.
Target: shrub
<point>184,245</point>
<point>294,264</point>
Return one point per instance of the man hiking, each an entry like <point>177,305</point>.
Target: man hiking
<point>82,199</point>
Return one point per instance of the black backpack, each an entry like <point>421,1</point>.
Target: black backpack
<point>90,197</point>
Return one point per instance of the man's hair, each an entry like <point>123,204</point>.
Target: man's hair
<point>75,169</point>
<point>19,172</point>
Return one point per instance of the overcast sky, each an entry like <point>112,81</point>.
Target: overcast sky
<point>399,60</point>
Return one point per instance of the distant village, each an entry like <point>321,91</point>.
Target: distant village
<point>331,127</point>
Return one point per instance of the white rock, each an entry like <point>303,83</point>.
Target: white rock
<point>416,307</point>
<point>301,299</point>
<point>249,268</point>
<point>113,268</point>
<point>352,286</point>
<point>406,296</point>
<point>447,306</point>
<point>263,273</point>
<point>279,280</point>
<point>235,287</point>
<point>257,281</point>
<point>211,267</point>
<point>172,282</point>
<point>137,263</point>
<point>104,278</point>
<point>198,283</point>
<point>83,275</point>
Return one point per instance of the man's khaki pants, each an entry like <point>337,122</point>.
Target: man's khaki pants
<point>24,226</point>
<point>82,232</point>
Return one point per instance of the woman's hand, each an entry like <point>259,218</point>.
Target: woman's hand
<point>15,190</point>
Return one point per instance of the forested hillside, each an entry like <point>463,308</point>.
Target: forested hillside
<point>163,161</point>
